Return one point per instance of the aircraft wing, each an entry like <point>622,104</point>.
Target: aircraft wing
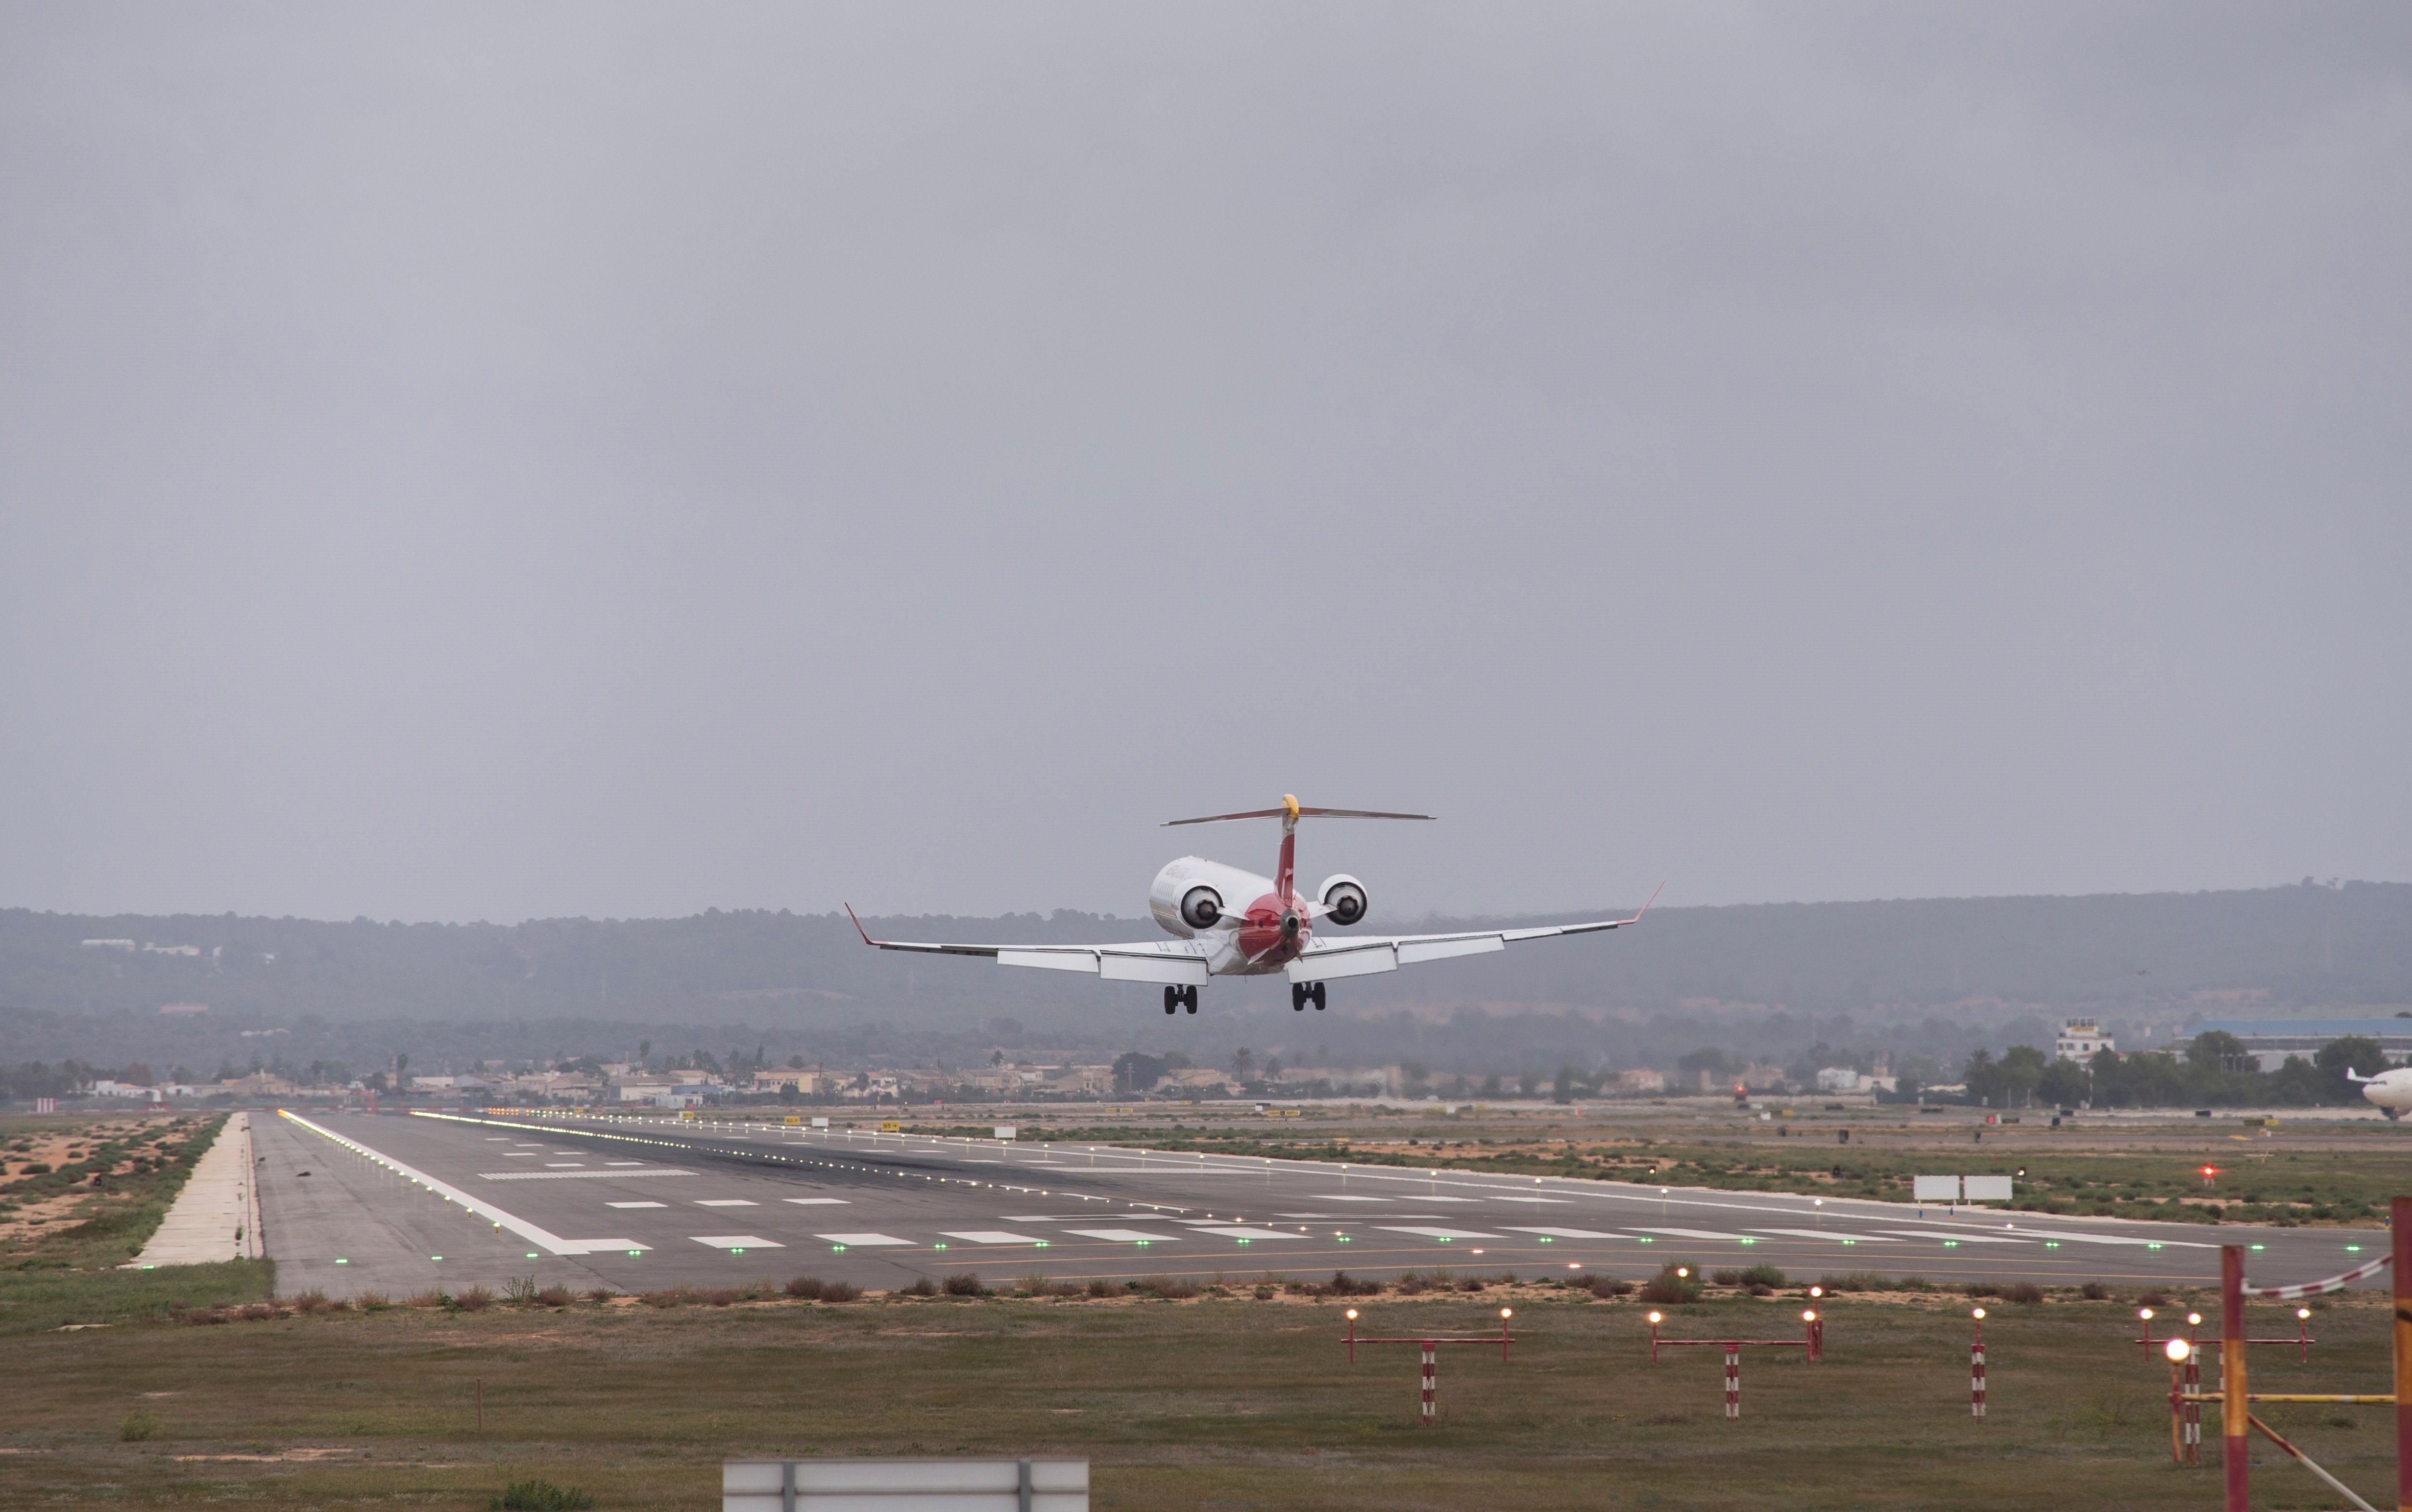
<point>1173,963</point>
<point>1326,959</point>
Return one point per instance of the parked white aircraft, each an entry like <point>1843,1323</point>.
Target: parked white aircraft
<point>1227,922</point>
<point>2391,1090</point>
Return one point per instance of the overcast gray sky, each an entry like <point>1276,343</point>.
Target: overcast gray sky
<point>480,462</point>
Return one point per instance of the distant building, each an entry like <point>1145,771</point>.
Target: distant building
<point>149,949</point>
<point>126,945</point>
<point>2079,1040</point>
<point>184,1008</point>
<point>1839,1078</point>
<point>1641,1082</point>
<point>2269,1042</point>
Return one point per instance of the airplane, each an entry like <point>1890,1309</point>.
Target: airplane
<point>2391,1090</point>
<point>1226,922</point>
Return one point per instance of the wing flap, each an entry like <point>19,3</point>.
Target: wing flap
<point>1374,957</point>
<point>1049,959</point>
<point>1173,971</point>
<point>1414,953</point>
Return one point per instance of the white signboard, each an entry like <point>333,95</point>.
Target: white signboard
<point>904,1486</point>
<point>1985,1188</point>
<point>1935,1188</point>
<point>820,1123</point>
<point>1005,1131</point>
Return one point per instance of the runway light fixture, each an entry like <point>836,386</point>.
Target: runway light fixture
<point>1816,1291</point>
<point>1506,1312</point>
<point>2303,1313</point>
<point>1808,1314</point>
<point>2177,1349</point>
<point>2145,1313</point>
<point>1352,1314</point>
<point>1976,1312</point>
<point>2193,1320</point>
<point>1656,1319</point>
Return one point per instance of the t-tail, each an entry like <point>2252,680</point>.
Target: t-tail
<point>1290,811</point>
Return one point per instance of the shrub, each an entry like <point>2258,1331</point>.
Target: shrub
<point>599,1294</point>
<point>137,1427</point>
<point>923,1287</point>
<point>720,1297</point>
<point>2094,1291</point>
<point>1982,1288</point>
<point>1168,1288</point>
<point>669,1298</point>
<point>540,1496</point>
<point>806,1286</point>
<point>1728,1277</point>
<point>1345,1285</point>
<point>840,1291</point>
<point>519,1291</point>
<point>1762,1275</point>
<point>1101,1286</point>
<point>1673,1284</point>
<point>313,1300</point>
<point>555,1295</point>
<point>963,1283</point>
<point>372,1302</point>
<point>257,1311</point>
<point>2024,1293</point>
<point>1472,1284</point>
<point>2152,1299</point>
<point>476,1299</point>
<point>1265,1294</point>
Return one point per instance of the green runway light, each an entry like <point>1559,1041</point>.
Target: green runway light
<point>2353,1249</point>
<point>633,1254</point>
<point>2052,1243</point>
<point>938,1246</point>
<point>1646,1239</point>
<point>1545,1239</point>
<point>2260,1246</point>
<point>339,1260</point>
<point>435,1257</point>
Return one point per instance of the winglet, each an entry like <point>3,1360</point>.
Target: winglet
<point>866,936</point>
<point>1654,898</point>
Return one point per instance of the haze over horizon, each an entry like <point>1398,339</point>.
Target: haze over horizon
<point>609,462</point>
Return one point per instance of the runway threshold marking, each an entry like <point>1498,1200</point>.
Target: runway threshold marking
<point>483,1209</point>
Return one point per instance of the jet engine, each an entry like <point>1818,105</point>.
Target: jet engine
<point>1201,907</point>
<point>1343,896</point>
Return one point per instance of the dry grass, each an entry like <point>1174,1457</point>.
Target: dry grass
<point>1194,1403</point>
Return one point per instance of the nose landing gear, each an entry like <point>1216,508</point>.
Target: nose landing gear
<point>1180,997</point>
<point>1302,993</point>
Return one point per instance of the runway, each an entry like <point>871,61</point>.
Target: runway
<point>353,1201</point>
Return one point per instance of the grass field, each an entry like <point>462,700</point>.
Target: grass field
<point>83,1193</point>
<point>1206,1404</point>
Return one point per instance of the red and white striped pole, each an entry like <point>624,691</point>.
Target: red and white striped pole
<point>2194,1409</point>
<point>2399,1223</point>
<point>1431,1357</point>
<point>1655,1318</point>
<point>2236,1419</point>
<point>1733,1381</point>
<point>1976,1367</point>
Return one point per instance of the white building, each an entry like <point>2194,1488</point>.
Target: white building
<point>2080,1038</point>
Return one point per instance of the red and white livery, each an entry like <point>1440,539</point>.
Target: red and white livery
<point>1227,922</point>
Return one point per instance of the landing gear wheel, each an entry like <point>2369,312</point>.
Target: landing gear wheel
<point>1189,998</point>
<point>1172,999</point>
<point>1316,993</point>
<point>1297,997</point>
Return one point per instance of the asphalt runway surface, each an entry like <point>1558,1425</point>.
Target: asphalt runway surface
<point>352,1202</point>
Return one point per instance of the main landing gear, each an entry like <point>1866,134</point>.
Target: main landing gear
<point>1302,993</point>
<point>1181,997</point>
